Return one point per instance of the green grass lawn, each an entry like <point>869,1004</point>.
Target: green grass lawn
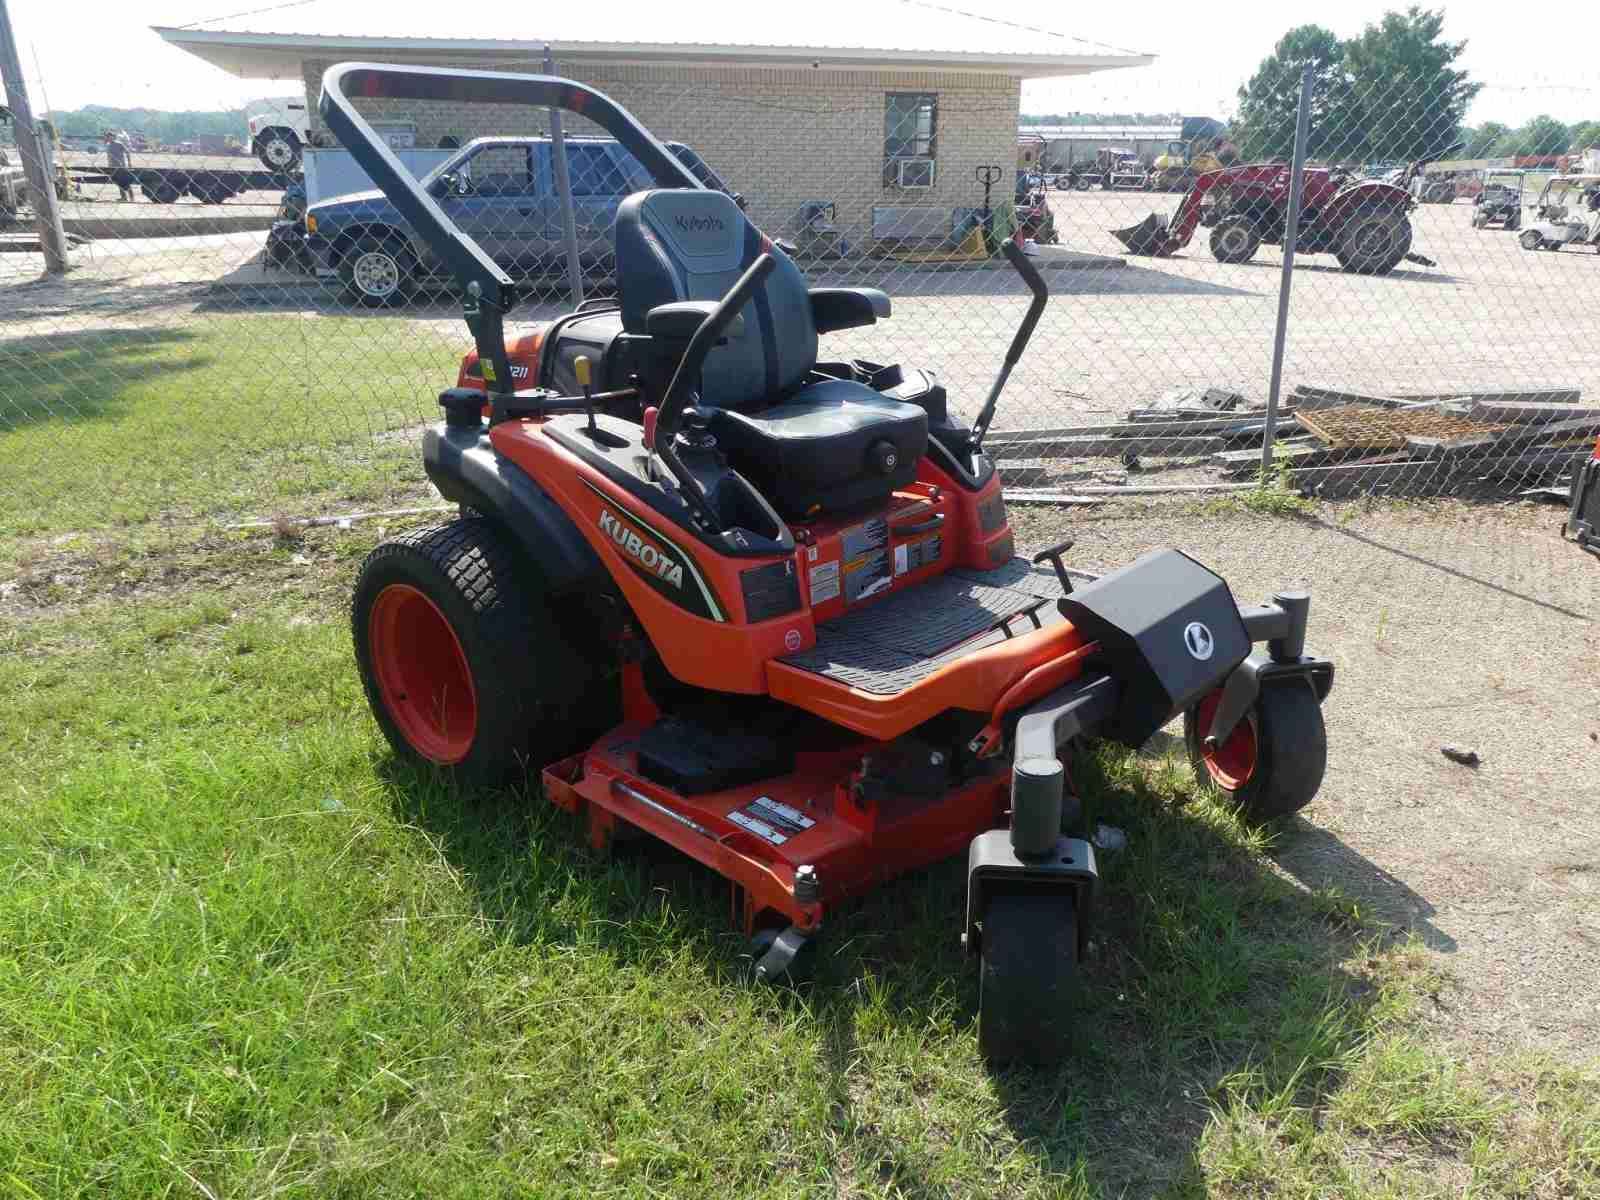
<point>225,418</point>
<point>247,954</point>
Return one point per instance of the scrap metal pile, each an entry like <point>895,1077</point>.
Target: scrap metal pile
<point>1327,442</point>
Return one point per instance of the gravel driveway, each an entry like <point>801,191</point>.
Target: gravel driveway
<point>1447,624</point>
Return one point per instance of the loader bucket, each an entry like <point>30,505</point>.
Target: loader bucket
<point>1149,236</point>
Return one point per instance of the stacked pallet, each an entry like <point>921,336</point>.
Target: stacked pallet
<point>1419,443</point>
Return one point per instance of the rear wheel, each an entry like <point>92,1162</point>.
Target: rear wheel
<point>1234,240</point>
<point>1082,183</point>
<point>278,150</point>
<point>1272,763</point>
<point>1028,977</point>
<point>1374,242</point>
<point>1531,239</point>
<point>160,193</point>
<point>1514,220</point>
<point>377,271</point>
<point>461,661</point>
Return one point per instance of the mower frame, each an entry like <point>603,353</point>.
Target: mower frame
<point>873,789</point>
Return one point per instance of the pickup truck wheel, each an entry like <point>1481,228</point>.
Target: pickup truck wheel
<point>278,150</point>
<point>377,271</point>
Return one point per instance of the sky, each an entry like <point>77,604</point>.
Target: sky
<point>116,60</point>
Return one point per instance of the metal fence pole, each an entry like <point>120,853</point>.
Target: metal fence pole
<point>41,186</point>
<point>1291,231</point>
<point>563,169</point>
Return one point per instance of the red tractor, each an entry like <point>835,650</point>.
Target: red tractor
<point>1364,223</point>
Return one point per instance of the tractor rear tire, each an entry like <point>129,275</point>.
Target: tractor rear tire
<point>1234,240</point>
<point>1028,977</point>
<point>1273,762</point>
<point>463,664</point>
<point>1374,242</point>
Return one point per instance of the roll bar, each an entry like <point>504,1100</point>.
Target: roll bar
<point>488,290</point>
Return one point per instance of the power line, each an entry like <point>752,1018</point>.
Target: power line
<point>248,13</point>
<point>1016,25</point>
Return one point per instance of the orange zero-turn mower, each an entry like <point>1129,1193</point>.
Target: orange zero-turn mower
<point>765,607</point>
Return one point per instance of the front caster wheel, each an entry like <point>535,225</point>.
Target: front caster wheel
<point>782,957</point>
<point>1028,977</point>
<point>1272,763</point>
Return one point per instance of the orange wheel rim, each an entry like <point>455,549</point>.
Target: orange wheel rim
<point>1233,762</point>
<point>422,674</point>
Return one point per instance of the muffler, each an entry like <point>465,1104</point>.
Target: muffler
<point>1149,236</point>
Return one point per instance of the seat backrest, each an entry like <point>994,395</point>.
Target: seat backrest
<point>693,244</point>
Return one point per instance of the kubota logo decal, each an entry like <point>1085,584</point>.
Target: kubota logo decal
<point>652,558</point>
<point>697,224</point>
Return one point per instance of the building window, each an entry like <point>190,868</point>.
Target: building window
<point>910,129</point>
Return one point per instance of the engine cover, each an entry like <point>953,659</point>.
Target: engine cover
<point>1169,631</point>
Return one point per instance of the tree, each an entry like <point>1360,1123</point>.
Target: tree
<point>1402,76</point>
<point>1481,142</point>
<point>1269,103</point>
<point>1584,135</point>
<point>1542,135</point>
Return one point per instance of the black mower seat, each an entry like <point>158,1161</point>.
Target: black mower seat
<point>808,447</point>
<point>831,447</point>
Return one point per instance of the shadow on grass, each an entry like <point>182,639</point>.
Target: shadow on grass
<point>84,377</point>
<point>1209,973</point>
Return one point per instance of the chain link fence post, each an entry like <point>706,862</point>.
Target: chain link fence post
<point>1291,232</point>
<point>563,171</point>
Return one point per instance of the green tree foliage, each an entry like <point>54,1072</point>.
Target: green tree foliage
<point>165,127</point>
<point>1404,80</point>
<point>1392,93</point>
<point>1270,102</point>
<point>1481,142</point>
<point>1584,135</point>
<point>1542,135</point>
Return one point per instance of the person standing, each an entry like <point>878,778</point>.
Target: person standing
<point>119,157</point>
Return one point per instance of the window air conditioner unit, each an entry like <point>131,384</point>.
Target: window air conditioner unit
<point>914,172</point>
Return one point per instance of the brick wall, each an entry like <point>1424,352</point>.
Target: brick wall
<point>779,135</point>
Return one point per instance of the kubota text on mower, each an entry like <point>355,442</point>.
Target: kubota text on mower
<point>766,607</point>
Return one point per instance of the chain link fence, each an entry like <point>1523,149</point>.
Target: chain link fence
<point>208,359</point>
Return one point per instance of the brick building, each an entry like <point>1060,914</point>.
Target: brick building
<point>891,133</point>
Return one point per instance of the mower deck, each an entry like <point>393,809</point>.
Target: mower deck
<point>889,647</point>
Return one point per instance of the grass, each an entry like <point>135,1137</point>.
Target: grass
<point>222,418</point>
<point>250,954</point>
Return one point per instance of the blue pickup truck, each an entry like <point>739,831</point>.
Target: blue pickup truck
<point>500,191</point>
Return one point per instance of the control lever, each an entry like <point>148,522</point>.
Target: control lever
<point>582,368</point>
<point>1053,556</point>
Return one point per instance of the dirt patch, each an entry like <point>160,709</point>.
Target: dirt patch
<point>1447,623</point>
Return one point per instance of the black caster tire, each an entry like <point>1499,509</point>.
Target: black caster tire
<point>462,664</point>
<point>766,969</point>
<point>1028,977</point>
<point>1273,762</point>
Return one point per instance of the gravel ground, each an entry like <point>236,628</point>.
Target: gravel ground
<point>1447,624</point>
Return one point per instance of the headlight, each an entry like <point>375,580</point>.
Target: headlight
<point>311,222</point>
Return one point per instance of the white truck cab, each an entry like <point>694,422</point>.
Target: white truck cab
<point>280,129</point>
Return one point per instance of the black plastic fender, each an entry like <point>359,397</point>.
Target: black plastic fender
<point>463,465</point>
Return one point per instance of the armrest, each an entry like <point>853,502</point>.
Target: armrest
<point>847,308</point>
<point>682,317</point>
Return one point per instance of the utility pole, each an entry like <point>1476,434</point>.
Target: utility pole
<point>41,188</point>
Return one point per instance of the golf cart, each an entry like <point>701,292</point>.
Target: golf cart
<point>1568,213</point>
<point>1500,201</point>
